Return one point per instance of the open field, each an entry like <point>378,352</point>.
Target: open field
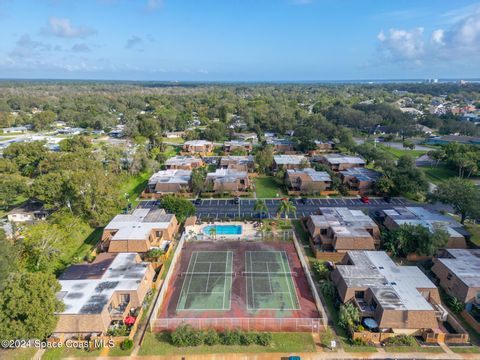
<point>438,174</point>
<point>267,187</point>
<point>400,152</point>
<point>159,344</point>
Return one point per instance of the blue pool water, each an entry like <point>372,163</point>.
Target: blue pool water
<point>224,229</point>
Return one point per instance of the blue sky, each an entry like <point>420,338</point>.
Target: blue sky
<point>244,40</point>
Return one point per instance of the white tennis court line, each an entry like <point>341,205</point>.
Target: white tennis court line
<point>288,282</point>
<point>185,281</point>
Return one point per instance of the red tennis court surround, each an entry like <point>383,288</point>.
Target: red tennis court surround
<point>304,317</point>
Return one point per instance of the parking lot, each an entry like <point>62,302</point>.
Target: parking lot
<point>228,209</point>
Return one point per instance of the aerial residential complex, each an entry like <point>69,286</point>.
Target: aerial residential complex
<point>342,229</point>
<point>139,231</point>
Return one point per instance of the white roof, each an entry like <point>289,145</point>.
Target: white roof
<point>198,142</point>
<point>395,287</point>
<point>465,264</point>
<point>344,221</point>
<point>182,160</point>
<point>139,224</point>
<point>314,175</point>
<point>343,159</point>
<point>173,176</point>
<point>227,175</point>
<point>289,159</point>
<point>89,296</point>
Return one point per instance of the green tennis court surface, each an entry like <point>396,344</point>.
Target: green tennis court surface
<point>270,284</point>
<point>207,283</point>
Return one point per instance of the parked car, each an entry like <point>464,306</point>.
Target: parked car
<point>365,200</point>
<point>236,201</point>
<point>197,201</point>
<point>387,199</point>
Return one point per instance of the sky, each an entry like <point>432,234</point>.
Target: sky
<point>239,40</point>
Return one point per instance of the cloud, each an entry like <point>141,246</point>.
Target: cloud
<point>81,48</point>
<point>153,4</point>
<point>64,29</point>
<point>26,47</point>
<point>461,39</point>
<point>133,42</point>
<point>401,45</point>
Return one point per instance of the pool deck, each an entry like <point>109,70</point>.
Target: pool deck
<point>248,231</point>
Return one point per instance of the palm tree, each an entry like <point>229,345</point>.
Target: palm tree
<point>286,207</point>
<point>260,207</point>
<point>213,232</point>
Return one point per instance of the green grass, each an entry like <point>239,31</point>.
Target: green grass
<point>417,348</point>
<point>302,234</point>
<point>133,186</point>
<point>173,140</point>
<point>465,349</point>
<point>400,152</point>
<point>117,351</point>
<point>158,344</point>
<point>62,353</point>
<point>473,229</point>
<point>18,354</point>
<point>267,186</point>
<point>438,174</point>
<point>89,244</point>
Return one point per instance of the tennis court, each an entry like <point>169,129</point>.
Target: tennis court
<point>207,283</point>
<point>269,281</point>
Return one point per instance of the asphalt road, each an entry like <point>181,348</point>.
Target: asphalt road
<point>226,208</point>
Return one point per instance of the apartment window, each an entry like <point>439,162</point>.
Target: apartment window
<point>323,231</point>
<point>374,304</point>
<point>124,298</point>
<point>359,294</point>
<point>449,276</point>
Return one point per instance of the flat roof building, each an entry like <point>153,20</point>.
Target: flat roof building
<point>397,216</point>
<point>139,231</point>
<point>239,163</point>
<point>184,162</point>
<point>233,145</point>
<point>290,161</point>
<point>360,179</point>
<point>397,297</point>
<point>170,181</point>
<point>308,180</point>
<point>459,273</point>
<point>98,293</point>
<point>343,229</point>
<point>339,162</point>
<point>198,146</point>
<point>228,180</point>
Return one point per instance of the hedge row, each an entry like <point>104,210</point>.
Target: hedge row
<point>187,336</point>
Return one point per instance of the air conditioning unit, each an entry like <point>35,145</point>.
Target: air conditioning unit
<point>441,312</point>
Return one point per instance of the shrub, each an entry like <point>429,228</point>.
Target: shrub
<point>211,337</point>
<point>126,344</point>
<point>264,339</point>
<point>248,338</point>
<point>321,270</point>
<point>327,338</point>
<point>186,336</point>
<point>456,305</point>
<point>401,340</point>
<point>121,330</point>
<point>359,342</point>
<point>230,337</point>
<point>154,254</point>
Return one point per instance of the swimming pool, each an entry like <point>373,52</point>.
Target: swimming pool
<point>223,229</point>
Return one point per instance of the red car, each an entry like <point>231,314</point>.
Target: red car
<point>365,200</point>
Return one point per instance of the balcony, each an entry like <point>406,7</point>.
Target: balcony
<point>120,312</point>
<point>366,310</point>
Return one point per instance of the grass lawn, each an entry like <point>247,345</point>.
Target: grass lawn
<point>304,239</point>
<point>62,353</point>
<point>173,140</point>
<point>418,348</point>
<point>473,229</point>
<point>134,185</point>
<point>438,174</point>
<point>267,186</point>
<point>465,349</point>
<point>18,354</point>
<point>158,344</point>
<point>117,351</point>
<point>399,152</point>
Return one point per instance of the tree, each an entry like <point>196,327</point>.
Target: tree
<point>286,207</point>
<point>43,120</point>
<point>11,186</point>
<point>27,306</point>
<point>181,207</point>
<point>197,180</point>
<point>418,239</point>
<point>9,259</point>
<point>264,159</point>
<point>462,195</point>
<point>260,207</point>
<point>348,317</point>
